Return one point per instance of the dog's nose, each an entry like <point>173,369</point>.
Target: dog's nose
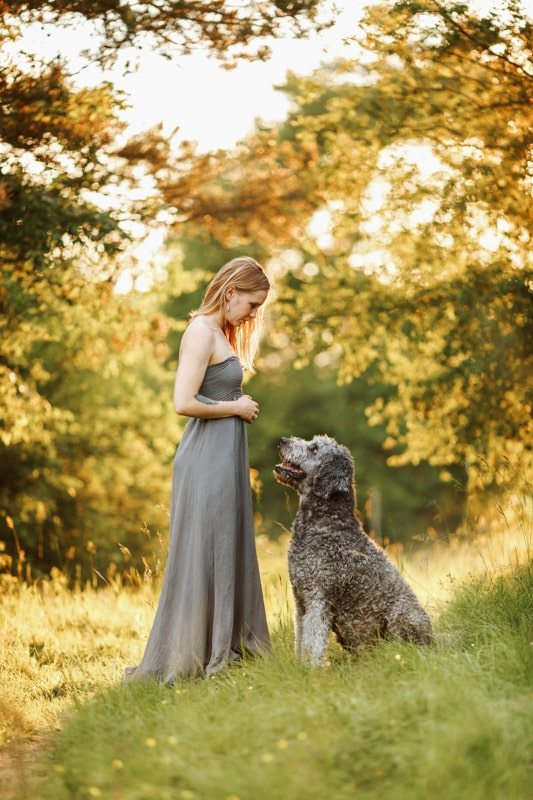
<point>283,440</point>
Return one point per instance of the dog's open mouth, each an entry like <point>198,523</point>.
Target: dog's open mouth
<point>288,471</point>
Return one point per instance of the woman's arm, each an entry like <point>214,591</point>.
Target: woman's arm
<point>196,350</point>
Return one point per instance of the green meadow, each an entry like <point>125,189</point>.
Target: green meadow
<point>453,720</point>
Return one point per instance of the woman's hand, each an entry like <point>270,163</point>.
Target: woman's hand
<point>246,408</point>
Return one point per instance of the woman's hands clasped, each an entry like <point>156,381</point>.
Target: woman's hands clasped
<point>246,408</point>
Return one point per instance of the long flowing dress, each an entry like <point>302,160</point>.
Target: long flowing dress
<point>211,605</point>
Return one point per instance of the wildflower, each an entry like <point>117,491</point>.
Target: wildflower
<point>233,797</point>
<point>398,657</point>
<point>187,794</point>
<point>283,744</point>
<point>150,741</point>
<point>172,739</point>
<point>267,758</point>
<point>117,763</point>
<point>59,768</point>
<point>94,791</point>
<point>302,736</point>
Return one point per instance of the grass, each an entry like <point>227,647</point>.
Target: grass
<point>449,721</point>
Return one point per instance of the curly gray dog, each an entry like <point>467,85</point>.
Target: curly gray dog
<point>341,580</point>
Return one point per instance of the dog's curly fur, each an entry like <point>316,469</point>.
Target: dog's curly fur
<point>341,580</point>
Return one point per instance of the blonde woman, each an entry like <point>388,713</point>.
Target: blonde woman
<point>211,605</point>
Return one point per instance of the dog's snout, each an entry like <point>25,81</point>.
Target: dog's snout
<point>283,440</point>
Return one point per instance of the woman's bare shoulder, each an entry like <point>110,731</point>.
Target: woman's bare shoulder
<point>198,323</point>
<point>197,337</point>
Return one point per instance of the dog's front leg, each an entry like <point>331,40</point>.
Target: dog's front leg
<point>298,617</point>
<point>315,629</point>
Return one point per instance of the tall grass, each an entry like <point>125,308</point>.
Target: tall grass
<point>448,721</point>
<point>452,720</point>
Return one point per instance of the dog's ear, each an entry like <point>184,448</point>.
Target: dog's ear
<point>335,474</point>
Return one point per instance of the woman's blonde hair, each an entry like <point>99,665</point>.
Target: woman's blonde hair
<point>244,274</point>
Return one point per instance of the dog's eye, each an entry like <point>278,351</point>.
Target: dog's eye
<point>313,448</point>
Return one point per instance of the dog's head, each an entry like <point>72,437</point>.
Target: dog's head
<point>321,466</point>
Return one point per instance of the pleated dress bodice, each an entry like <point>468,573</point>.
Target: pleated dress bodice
<point>222,381</point>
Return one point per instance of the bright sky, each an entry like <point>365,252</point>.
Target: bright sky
<point>214,106</point>
<point>211,105</point>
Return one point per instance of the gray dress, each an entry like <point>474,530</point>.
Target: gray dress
<point>211,605</point>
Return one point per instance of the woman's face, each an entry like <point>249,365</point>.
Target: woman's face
<point>243,305</point>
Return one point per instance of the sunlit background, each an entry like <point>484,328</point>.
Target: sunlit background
<point>386,187</point>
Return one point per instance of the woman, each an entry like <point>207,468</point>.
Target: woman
<point>211,606</point>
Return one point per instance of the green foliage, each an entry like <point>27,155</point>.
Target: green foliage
<point>457,352</point>
<point>395,503</point>
<point>87,433</point>
<point>57,147</point>
<point>450,720</point>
